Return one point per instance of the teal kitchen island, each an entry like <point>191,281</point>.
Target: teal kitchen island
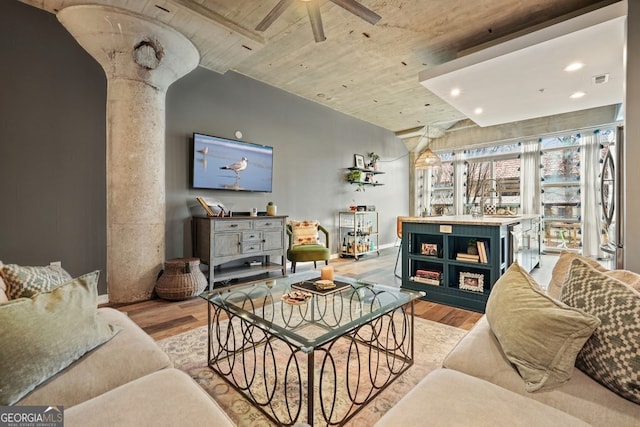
<point>457,259</point>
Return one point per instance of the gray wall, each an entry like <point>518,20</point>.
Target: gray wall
<point>313,145</point>
<point>52,145</point>
<point>52,149</point>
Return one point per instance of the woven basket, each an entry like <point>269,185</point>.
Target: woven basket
<point>181,279</point>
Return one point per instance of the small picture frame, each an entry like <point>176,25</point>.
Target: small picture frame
<point>359,160</point>
<point>471,281</point>
<point>429,249</point>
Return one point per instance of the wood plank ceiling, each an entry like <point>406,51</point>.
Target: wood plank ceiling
<point>365,71</point>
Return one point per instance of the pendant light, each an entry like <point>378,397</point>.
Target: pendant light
<point>427,158</point>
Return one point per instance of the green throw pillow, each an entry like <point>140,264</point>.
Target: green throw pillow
<point>612,355</point>
<point>539,335</point>
<point>42,335</point>
<point>26,281</point>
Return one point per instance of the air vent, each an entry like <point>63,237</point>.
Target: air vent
<point>600,79</point>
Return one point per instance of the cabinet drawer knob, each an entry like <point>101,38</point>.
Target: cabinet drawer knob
<point>233,225</point>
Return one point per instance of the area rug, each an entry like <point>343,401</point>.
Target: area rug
<point>188,351</point>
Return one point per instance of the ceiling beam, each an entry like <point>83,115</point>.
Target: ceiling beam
<point>464,135</point>
<point>418,138</point>
<point>218,19</point>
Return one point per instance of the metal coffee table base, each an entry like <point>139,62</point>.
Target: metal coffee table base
<point>332,381</point>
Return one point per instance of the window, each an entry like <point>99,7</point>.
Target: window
<point>493,179</point>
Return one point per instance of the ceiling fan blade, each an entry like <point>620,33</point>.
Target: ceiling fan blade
<point>273,14</point>
<point>313,9</point>
<point>359,10</point>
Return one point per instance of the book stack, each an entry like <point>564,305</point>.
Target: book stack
<point>428,277</point>
<point>461,256</point>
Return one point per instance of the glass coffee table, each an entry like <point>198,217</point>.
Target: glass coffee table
<point>300,353</point>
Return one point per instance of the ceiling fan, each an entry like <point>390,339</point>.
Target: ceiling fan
<point>313,9</point>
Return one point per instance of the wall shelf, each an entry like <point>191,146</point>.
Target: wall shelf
<point>365,172</point>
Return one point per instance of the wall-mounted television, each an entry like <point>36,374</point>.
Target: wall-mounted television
<point>227,164</point>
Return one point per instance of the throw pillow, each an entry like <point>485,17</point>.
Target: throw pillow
<point>612,355</point>
<point>305,232</point>
<point>541,336</point>
<point>561,269</point>
<point>23,281</point>
<point>45,334</point>
<point>625,276</point>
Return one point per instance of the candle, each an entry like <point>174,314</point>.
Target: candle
<point>326,273</point>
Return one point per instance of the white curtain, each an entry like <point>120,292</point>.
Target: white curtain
<point>530,178</point>
<point>589,194</point>
<point>459,170</point>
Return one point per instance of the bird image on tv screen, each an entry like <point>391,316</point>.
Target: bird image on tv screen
<point>226,164</point>
<point>237,166</point>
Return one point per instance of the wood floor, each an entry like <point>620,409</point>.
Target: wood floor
<point>161,319</point>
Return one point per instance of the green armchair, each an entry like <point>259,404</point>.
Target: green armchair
<point>313,249</point>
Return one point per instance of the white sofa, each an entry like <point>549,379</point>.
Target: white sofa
<point>479,385</point>
<point>127,381</point>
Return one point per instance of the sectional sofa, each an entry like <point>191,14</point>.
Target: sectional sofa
<point>59,349</point>
<point>520,372</point>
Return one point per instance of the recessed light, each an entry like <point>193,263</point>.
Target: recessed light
<point>576,95</point>
<point>574,66</point>
<point>478,110</point>
<point>455,91</point>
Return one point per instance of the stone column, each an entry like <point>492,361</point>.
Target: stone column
<point>141,58</point>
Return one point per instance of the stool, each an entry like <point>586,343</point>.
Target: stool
<point>181,279</point>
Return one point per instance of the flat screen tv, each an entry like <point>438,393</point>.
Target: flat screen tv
<point>227,164</point>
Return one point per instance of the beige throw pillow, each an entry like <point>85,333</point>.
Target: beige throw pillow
<point>541,336</point>
<point>625,276</point>
<point>42,335</point>
<point>305,232</point>
<point>612,355</point>
<point>561,269</point>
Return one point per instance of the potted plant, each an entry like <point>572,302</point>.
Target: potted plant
<point>373,163</point>
<point>355,177</point>
<point>271,209</point>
